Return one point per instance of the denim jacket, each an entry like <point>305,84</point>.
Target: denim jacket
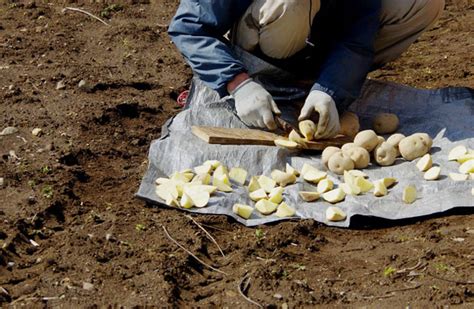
<point>343,33</point>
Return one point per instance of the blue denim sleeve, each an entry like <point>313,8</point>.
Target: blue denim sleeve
<point>197,30</point>
<point>345,69</point>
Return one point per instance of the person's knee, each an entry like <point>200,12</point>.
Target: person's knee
<point>431,12</point>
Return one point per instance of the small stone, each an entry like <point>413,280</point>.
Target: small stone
<point>37,132</point>
<point>31,200</point>
<point>84,86</point>
<point>87,286</point>
<point>278,296</point>
<point>8,131</point>
<point>60,85</point>
<point>2,182</point>
<point>284,306</point>
<point>458,239</point>
<point>10,265</point>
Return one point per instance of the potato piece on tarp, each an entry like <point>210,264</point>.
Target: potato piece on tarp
<point>239,175</point>
<point>334,196</point>
<point>433,173</point>
<point>266,207</point>
<point>285,211</point>
<point>334,213</point>
<point>309,196</point>
<point>409,194</point>
<point>242,210</point>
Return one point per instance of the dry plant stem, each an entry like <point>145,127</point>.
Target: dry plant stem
<point>207,233</point>
<point>241,292</point>
<point>450,280</point>
<point>85,12</point>
<point>190,253</point>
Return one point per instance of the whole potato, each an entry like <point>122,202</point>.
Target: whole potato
<point>380,140</point>
<point>340,162</point>
<point>412,147</point>
<point>425,138</point>
<point>394,140</point>
<point>346,146</point>
<point>385,123</point>
<point>328,152</point>
<point>359,155</point>
<point>349,124</point>
<point>385,154</point>
<point>366,139</point>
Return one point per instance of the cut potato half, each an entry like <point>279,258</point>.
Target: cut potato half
<point>222,183</point>
<point>266,183</point>
<point>334,196</point>
<point>199,196</point>
<point>425,163</point>
<point>309,196</point>
<point>286,143</point>
<point>265,207</point>
<point>433,173</point>
<point>283,178</point>
<point>325,185</point>
<point>349,188</point>
<point>457,152</point>
<point>334,213</point>
<point>167,191</point>
<point>314,176</point>
<point>363,184</point>
<point>239,175</point>
<point>242,210</point>
<point>258,195</point>
<point>291,170</point>
<point>462,159</point>
<point>285,211</point>
<point>458,177</point>
<point>467,167</point>
<point>276,196</point>
<point>380,189</point>
<point>388,181</point>
<point>409,194</point>
<point>253,184</point>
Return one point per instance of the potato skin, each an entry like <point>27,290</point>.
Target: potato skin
<point>385,123</point>
<point>359,155</point>
<point>425,138</point>
<point>366,139</point>
<point>395,139</point>
<point>385,154</point>
<point>327,153</point>
<point>412,147</point>
<point>350,125</point>
<point>340,162</point>
<point>346,146</point>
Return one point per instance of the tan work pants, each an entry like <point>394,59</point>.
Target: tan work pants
<point>280,27</point>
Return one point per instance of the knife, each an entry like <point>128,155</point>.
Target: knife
<point>284,125</point>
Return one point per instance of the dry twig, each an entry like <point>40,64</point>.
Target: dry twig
<point>246,278</point>
<point>190,253</point>
<point>450,280</point>
<point>207,233</point>
<point>85,12</point>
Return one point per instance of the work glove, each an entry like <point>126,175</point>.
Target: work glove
<point>322,103</point>
<point>254,105</point>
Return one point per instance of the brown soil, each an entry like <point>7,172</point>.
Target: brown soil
<point>71,190</point>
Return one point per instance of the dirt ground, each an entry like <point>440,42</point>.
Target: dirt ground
<point>72,233</point>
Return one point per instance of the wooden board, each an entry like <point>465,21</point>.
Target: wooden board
<point>233,136</point>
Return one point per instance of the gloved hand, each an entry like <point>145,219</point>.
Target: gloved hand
<point>254,105</point>
<point>324,105</point>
